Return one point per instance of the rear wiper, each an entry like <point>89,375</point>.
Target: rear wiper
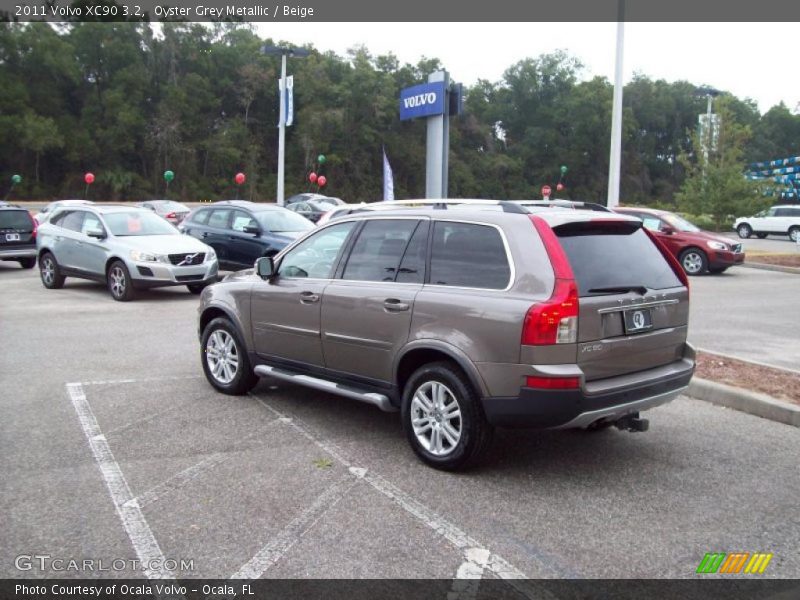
<point>621,289</point>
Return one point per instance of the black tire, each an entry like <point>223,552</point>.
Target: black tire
<point>744,230</point>
<point>794,233</point>
<point>27,263</point>
<point>196,288</point>
<point>50,272</point>
<point>119,282</point>
<point>694,261</point>
<point>761,236</point>
<point>244,379</point>
<point>475,432</point>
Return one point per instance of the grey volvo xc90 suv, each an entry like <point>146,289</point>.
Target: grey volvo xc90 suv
<point>463,320</point>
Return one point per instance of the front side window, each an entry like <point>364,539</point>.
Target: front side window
<point>241,220</point>
<point>315,257</point>
<point>201,217</point>
<point>378,250</point>
<point>283,221</point>
<point>469,255</point>
<point>91,223</point>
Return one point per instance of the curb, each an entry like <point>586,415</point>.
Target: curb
<point>766,267</point>
<point>752,403</point>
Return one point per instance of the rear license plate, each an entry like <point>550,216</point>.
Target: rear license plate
<point>12,237</point>
<point>637,320</point>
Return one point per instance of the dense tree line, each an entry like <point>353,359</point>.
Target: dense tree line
<point>128,101</point>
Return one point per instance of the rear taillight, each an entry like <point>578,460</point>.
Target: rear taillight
<point>554,321</point>
<point>171,215</point>
<point>35,226</point>
<point>553,383</point>
<point>669,257</point>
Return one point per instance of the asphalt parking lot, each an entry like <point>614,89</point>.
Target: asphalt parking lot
<point>114,446</point>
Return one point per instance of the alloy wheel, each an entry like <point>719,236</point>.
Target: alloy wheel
<point>222,356</point>
<point>436,418</point>
<point>693,263</point>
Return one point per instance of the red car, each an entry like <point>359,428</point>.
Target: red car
<point>698,251</point>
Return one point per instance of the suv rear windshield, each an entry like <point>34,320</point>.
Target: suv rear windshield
<point>609,257</point>
<point>16,219</point>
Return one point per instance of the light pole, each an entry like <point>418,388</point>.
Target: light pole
<point>615,153</point>
<point>707,134</point>
<point>283,51</point>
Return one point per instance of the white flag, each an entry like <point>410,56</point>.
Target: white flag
<point>388,178</point>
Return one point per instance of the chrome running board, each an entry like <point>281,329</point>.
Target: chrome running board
<point>324,385</point>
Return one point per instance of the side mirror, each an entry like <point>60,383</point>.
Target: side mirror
<point>97,234</point>
<point>252,229</point>
<point>265,267</point>
<point>667,229</point>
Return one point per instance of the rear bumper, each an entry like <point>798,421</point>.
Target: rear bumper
<point>604,400</point>
<point>15,253</point>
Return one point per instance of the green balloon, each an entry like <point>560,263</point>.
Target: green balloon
<point>169,176</point>
<point>15,179</point>
<point>321,159</point>
<point>563,169</point>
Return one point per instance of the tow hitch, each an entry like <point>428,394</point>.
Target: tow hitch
<point>632,423</point>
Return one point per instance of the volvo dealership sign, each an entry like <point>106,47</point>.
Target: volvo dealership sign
<point>425,100</point>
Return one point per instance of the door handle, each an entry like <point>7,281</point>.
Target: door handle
<point>309,297</point>
<point>205,234</point>
<point>394,305</point>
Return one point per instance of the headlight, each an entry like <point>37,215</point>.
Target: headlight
<point>717,245</point>
<point>211,256</point>
<point>144,256</point>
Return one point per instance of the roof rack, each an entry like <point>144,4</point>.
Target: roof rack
<point>443,203</point>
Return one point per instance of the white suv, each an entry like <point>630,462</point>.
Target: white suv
<point>777,220</point>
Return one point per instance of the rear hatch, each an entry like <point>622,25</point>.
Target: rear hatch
<point>633,303</point>
<point>17,229</point>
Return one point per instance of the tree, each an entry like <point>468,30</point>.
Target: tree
<point>715,182</point>
<point>38,135</point>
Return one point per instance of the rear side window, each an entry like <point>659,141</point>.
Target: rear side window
<point>16,219</point>
<point>469,255</point>
<point>201,217</point>
<point>614,256</point>
<point>219,218</point>
<point>378,250</point>
<point>412,267</point>
<point>782,212</point>
<point>72,220</point>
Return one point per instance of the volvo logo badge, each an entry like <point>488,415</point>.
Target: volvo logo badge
<point>638,319</point>
<point>187,260</point>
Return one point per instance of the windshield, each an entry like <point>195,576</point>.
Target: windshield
<point>131,223</point>
<point>170,205</point>
<point>278,221</point>
<point>680,223</point>
<point>321,204</point>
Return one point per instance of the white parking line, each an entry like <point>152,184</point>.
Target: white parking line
<point>272,552</point>
<point>142,379</point>
<point>469,547</point>
<point>144,543</point>
<point>186,476</point>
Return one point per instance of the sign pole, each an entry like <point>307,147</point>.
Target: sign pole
<point>438,138</point>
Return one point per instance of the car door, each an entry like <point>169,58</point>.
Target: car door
<point>285,310</point>
<point>765,221</point>
<point>66,240</point>
<point>217,234</point>
<point>92,252</point>
<point>245,247</point>
<point>379,281</point>
<point>782,220</point>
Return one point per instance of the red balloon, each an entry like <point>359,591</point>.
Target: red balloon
<point>312,177</point>
<point>89,178</point>
<point>546,191</point>
<point>321,181</point>
<point>560,187</point>
<point>239,178</point>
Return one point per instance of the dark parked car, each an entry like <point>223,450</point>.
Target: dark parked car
<point>172,211</point>
<point>17,236</point>
<point>311,209</point>
<point>241,231</point>
<point>698,251</point>
<point>463,320</point>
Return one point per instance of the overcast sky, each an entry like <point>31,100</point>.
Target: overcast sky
<point>750,60</point>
